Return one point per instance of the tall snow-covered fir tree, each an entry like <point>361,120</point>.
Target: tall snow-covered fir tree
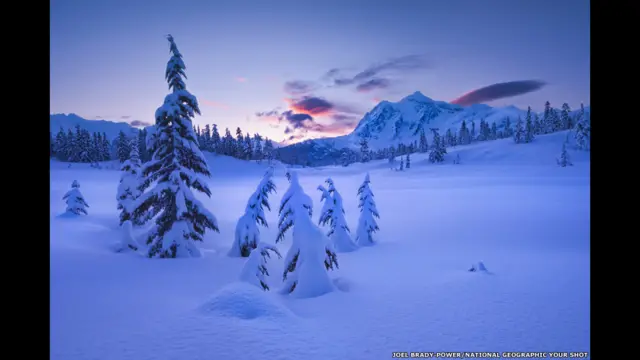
<point>333,214</point>
<point>518,133</point>
<point>247,234</point>
<point>311,254</point>
<point>367,224</point>
<point>177,167</point>
<point>128,190</point>
<point>583,130</point>
<point>438,150</point>
<point>75,201</point>
<point>528,128</point>
<point>567,123</point>
<point>255,270</point>
<point>564,160</point>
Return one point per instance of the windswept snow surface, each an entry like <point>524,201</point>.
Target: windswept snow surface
<point>508,205</point>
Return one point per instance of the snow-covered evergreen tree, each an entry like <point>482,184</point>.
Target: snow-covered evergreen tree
<point>268,150</point>
<point>177,168</point>
<point>247,234</point>
<point>105,149</point>
<point>464,136</point>
<point>457,159</point>
<point>424,145</point>
<point>528,128</point>
<point>364,150</point>
<point>408,161</point>
<point>564,159</point>
<point>215,140</point>
<point>255,270</point>
<point>128,189</point>
<point>333,214</point>
<point>565,117</point>
<point>401,163</point>
<point>494,131</point>
<point>228,143</point>
<point>583,130</point>
<point>546,124</point>
<point>438,150</point>
<point>367,224</point>
<point>518,134</point>
<point>75,201</point>
<point>472,134</point>
<point>258,152</point>
<point>123,146</point>
<point>311,254</point>
<point>537,126</point>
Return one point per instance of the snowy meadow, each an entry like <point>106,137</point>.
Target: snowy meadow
<point>508,206</point>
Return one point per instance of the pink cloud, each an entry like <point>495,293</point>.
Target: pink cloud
<point>241,79</point>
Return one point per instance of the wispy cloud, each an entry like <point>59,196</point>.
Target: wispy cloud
<point>376,83</point>
<point>241,79</point>
<point>373,77</point>
<point>299,87</point>
<point>125,117</point>
<point>499,91</point>
<point>139,123</point>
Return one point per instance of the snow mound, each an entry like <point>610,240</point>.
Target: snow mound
<point>244,301</point>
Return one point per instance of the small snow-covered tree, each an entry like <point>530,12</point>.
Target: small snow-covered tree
<point>367,224</point>
<point>564,159</point>
<point>565,117</point>
<point>247,234</point>
<point>364,150</point>
<point>529,132</point>
<point>424,145</point>
<point>75,201</point>
<point>583,130</point>
<point>438,150</point>
<point>123,147</point>
<point>408,161</point>
<point>518,134</point>
<point>457,159</point>
<point>401,163</point>
<point>128,190</point>
<point>177,168</point>
<point>333,214</point>
<point>310,255</point>
<point>255,270</point>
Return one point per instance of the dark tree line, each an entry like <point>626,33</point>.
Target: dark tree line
<point>244,147</point>
<point>82,146</point>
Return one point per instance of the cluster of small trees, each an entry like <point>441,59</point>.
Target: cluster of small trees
<point>245,147</point>
<point>79,146</point>
<point>312,252</point>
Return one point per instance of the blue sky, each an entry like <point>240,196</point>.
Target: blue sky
<point>245,58</point>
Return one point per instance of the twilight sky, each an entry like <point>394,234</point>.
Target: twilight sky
<point>307,68</point>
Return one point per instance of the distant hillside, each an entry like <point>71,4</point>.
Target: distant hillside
<point>393,123</point>
<point>70,121</point>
